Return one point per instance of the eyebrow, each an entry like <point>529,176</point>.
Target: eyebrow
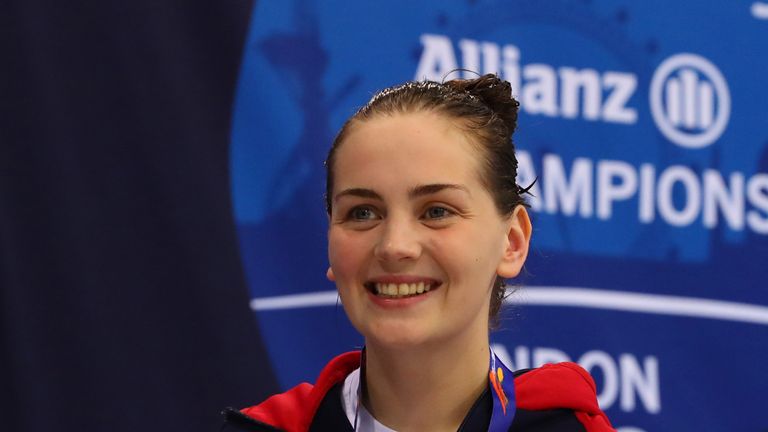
<point>358,192</point>
<point>415,192</point>
<point>430,189</point>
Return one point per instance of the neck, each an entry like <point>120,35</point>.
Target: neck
<point>426,388</point>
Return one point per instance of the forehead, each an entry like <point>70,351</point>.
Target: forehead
<point>413,147</point>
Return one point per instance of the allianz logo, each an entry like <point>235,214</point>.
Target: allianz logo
<point>689,97</point>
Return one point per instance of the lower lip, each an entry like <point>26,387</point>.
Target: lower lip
<point>399,302</point>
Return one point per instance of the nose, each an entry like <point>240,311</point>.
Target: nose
<point>398,241</point>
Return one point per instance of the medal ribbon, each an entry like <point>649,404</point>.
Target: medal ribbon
<point>502,383</point>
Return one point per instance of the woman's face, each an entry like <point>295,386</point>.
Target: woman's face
<point>415,241</point>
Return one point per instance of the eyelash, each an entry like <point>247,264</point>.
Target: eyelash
<point>446,213</point>
<point>353,217</point>
<point>354,213</point>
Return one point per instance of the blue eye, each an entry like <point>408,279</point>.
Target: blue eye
<point>437,213</point>
<point>362,213</point>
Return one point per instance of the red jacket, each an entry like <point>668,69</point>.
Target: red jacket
<point>550,387</point>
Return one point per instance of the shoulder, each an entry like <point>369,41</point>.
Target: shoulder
<point>560,391</point>
<point>293,410</point>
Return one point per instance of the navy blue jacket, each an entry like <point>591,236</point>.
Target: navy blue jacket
<point>553,398</point>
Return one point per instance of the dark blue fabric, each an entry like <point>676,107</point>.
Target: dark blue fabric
<point>122,301</point>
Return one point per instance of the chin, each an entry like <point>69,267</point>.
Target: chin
<point>396,335</point>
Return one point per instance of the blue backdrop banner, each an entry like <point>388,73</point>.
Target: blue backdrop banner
<point>644,123</point>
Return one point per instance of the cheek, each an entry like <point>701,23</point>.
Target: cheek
<point>346,254</point>
<point>472,255</point>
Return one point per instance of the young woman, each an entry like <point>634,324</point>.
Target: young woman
<point>426,221</point>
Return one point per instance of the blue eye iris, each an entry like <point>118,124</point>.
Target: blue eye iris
<point>436,213</point>
<point>362,213</point>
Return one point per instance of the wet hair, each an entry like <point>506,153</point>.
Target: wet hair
<point>487,113</point>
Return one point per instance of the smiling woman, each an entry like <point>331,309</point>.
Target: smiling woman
<point>426,221</point>
<point>427,218</point>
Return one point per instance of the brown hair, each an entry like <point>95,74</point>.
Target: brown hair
<point>487,113</point>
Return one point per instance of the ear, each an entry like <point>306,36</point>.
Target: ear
<point>516,245</point>
<point>329,274</point>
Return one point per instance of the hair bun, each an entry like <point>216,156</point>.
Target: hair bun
<point>495,93</point>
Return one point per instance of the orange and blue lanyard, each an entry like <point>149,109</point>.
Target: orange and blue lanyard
<point>502,383</point>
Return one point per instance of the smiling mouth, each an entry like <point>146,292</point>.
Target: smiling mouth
<point>400,290</point>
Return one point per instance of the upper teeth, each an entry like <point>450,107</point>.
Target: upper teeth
<point>402,289</point>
